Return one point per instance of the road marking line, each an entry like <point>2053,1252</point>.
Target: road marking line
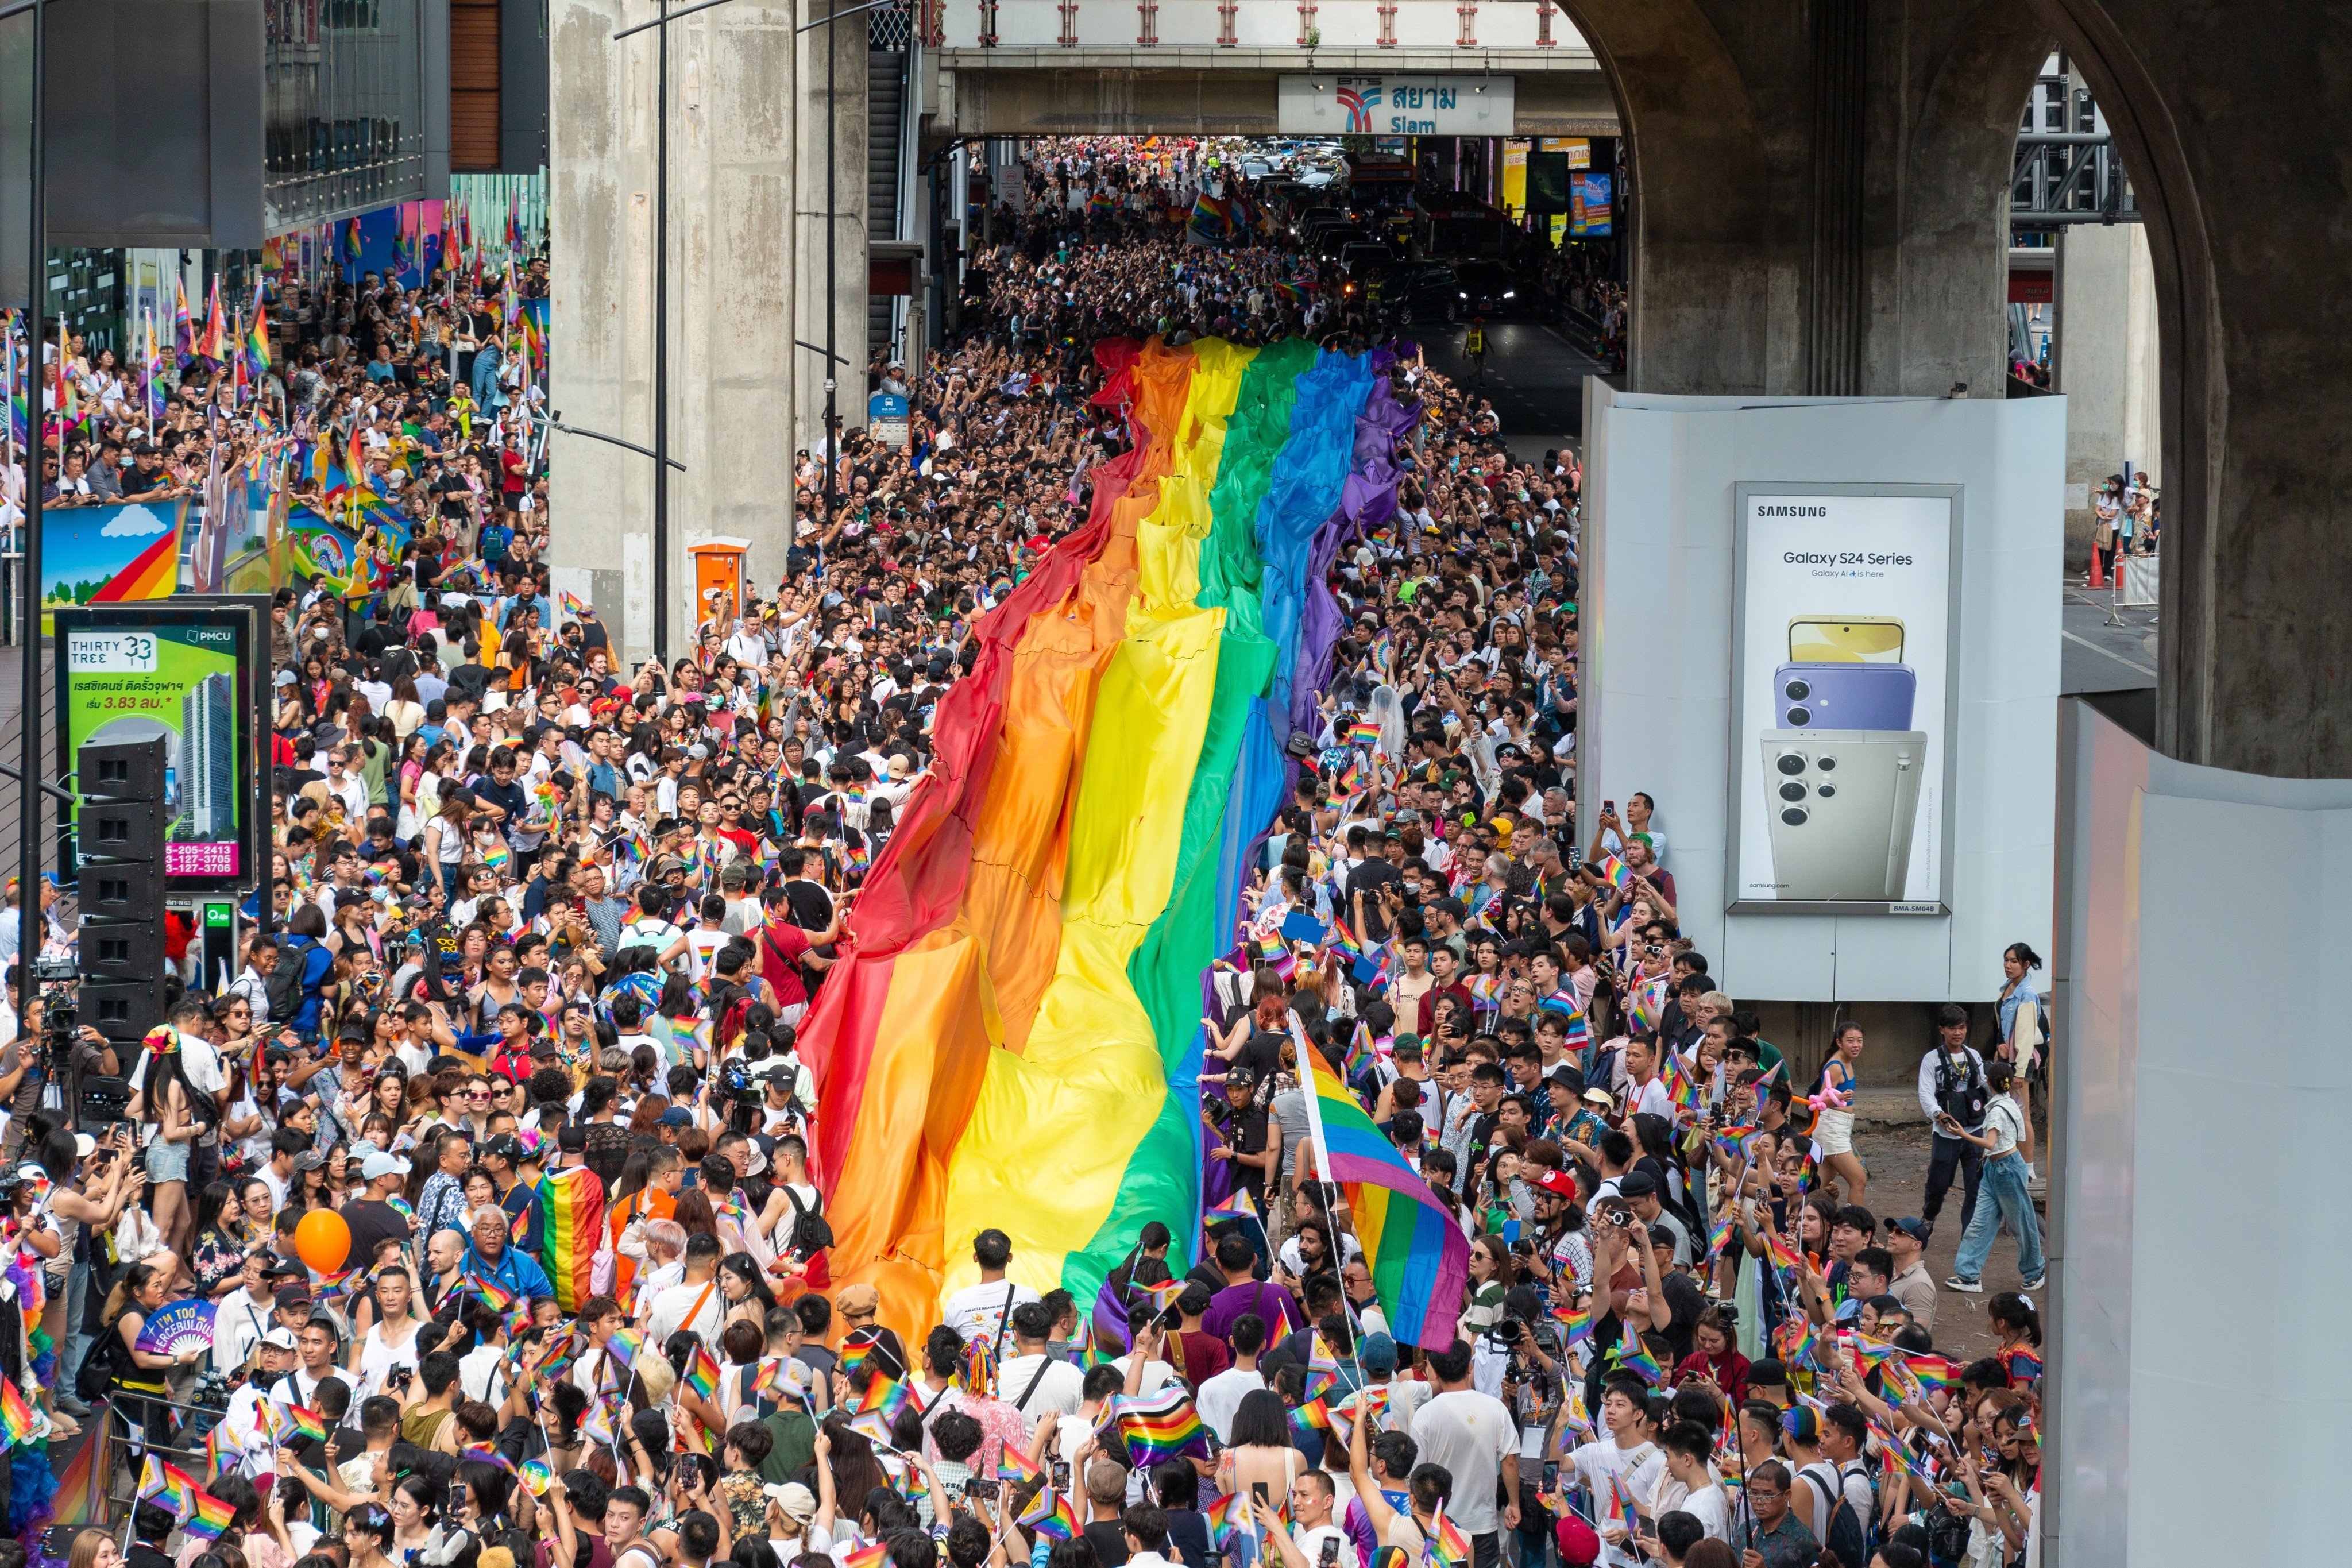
<point>2094,647</point>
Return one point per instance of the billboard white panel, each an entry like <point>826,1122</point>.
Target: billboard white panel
<point>1933,680</point>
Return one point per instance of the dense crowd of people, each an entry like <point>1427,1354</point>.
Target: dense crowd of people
<point>490,1162</point>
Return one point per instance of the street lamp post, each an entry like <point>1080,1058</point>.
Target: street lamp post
<point>37,288</point>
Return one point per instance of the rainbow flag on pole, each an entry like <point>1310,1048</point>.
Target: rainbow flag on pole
<point>1160,1427</point>
<point>1419,1257</point>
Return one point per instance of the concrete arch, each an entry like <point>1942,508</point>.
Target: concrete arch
<point>1958,153</point>
<point>2121,49</point>
<point>1702,288</point>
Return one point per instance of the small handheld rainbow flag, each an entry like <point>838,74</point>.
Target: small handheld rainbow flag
<point>167,1482</point>
<point>1362,731</point>
<point>1229,1516</point>
<point>1012,1465</point>
<point>1160,1427</point>
<point>1322,1366</point>
<point>623,1347</point>
<point>878,1406</point>
<point>1632,1356</point>
<point>1164,1295</point>
<point>1049,1515</point>
<point>575,605</point>
<point>1236,1206</point>
<point>1614,871</point>
<point>702,1373</point>
<point>482,1454</point>
<point>15,1416</point>
<point>208,1516</point>
<point>1312,1417</point>
<point>1574,1325</point>
<point>1446,1543</point>
<point>872,1554</point>
<point>305,1423</point>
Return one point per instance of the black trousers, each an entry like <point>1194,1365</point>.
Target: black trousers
<point>1947,1157</point>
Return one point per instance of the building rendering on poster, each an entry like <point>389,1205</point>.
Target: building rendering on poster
<point>1843,606</point>
<point>185,671</point>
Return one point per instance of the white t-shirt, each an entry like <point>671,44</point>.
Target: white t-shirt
<point>1471,1434</point>
<point>1059,1391</point>
<point>479,1371</point>
<point>671,1307</point>
<point>239,1324</point>
<point>978,1310</point>
<point>1636,1469</point>
<point>1220,1399</point>
<point>379,1359</point>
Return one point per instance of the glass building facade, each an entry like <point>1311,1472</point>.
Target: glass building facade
<point>346,85</point>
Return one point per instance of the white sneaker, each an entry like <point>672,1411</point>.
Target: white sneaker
<point>1969,1286</point>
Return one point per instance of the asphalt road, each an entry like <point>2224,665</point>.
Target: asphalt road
<point>1534,377</point>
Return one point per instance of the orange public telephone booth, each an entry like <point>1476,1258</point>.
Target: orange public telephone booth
<point>719,568</point>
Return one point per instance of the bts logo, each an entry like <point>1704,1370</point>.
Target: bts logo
<point>1360,102</point>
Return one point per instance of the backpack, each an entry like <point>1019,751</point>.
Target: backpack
<point>97,1374</point>
<point>812,1234</point>
<point>283,986</point>
<point>1851,1536</point>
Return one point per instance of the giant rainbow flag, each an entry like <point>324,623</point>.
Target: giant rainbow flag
<point>1013,1039</point>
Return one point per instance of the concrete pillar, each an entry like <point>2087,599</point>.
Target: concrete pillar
<point>730,282</point>
<point>2254,305</point>
<point>2103,357</point>
<point>847,145</point>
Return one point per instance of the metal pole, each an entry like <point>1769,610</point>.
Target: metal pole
<point>832,275</point>
<point>661,346</point>
<point>29,800</point>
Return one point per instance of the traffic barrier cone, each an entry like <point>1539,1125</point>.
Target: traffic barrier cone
<point>2098,578</point>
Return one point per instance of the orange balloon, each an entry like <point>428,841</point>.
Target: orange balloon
<point>323,1240</point>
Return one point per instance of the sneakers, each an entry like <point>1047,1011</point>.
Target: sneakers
<point>1969,1286</point>
<point>2032,1284</point>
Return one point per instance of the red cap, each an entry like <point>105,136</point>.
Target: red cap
<point>1558,1183</point>
<point>1578,1543</point>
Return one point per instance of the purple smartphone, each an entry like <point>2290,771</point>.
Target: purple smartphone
<point>1843,696</point>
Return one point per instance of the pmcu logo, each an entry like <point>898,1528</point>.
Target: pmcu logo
<point>1360,102</point>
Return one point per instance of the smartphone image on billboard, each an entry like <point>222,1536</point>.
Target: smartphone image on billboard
<point>1845,696</point>
<point>1844,675</point>
<point>1842,807</point>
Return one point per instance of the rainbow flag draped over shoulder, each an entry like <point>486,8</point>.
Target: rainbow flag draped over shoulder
<point>1023,968</point>
<point>573,1202</point>
<point>1419,1257</point>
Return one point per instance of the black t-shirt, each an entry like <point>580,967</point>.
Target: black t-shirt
<point>1108,1538</point>
<point>372,1222</point>
<point>1262,1054</point>
<point>811,905</point>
